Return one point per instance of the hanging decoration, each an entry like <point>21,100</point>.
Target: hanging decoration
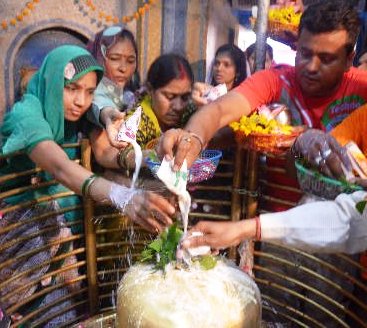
<point>100,17</point>
<point>87,7</point>
<point>22,14</point>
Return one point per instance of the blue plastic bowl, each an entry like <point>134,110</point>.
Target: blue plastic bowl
<point>202,169</point>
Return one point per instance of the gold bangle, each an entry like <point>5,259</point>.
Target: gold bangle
<point>197,137</point>
<point>87,183</point>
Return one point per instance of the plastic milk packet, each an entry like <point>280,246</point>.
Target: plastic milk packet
<point>176,182</point>
<point>127,133</point>
<point>215,92</point>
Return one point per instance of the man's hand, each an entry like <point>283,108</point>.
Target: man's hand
<point>220,235</point>
<point>112,118</point>
<point>323,152</point>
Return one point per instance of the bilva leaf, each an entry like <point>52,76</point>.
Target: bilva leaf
<point>162,250</point>
<point>156,245</point>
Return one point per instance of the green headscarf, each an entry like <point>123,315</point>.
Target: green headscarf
<point>39,115</point>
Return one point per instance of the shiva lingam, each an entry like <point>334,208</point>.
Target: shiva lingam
<point>208,292</point>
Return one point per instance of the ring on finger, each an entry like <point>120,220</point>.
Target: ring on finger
<point>326,153</point>
<point>187,139</point>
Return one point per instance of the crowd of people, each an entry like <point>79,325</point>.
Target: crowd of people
<point>93,91</point>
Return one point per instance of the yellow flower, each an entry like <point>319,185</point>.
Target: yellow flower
<point>260,124</point>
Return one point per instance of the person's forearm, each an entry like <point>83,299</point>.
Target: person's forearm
<point>328,226</point>
<point>104,153</point>
<point>210,118</point>
<point>66,171</point>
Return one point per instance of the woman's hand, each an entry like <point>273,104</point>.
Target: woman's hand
<point>198,93</point>
<point>323,152</point>
<point>112,118</point>
<point>181,145</point>
<point>220,235</point>
<point>151,211</point>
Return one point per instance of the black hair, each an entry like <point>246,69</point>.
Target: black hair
<point>332,15</point>
<point>239,59</point>
<point>166,68</point>
<point>251,49</point>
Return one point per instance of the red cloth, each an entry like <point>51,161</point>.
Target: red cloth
<point>275,177</point>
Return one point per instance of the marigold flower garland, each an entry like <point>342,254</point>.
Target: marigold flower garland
<point>24,12</point>
<point>260,124</point>
<point>102,17</point>
<point>285,15</point>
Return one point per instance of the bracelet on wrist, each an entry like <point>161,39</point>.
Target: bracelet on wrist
<point>197,137</point>
<point>258,228</point>
<point>87,183</point>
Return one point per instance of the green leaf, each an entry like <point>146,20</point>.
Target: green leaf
<point>208,262</point>
<point>162,250</point>
<point>156,245</point>
<point>360,206</point>
<point>146,255</point>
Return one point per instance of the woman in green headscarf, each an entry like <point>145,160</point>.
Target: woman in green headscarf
<point>50,114</point>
